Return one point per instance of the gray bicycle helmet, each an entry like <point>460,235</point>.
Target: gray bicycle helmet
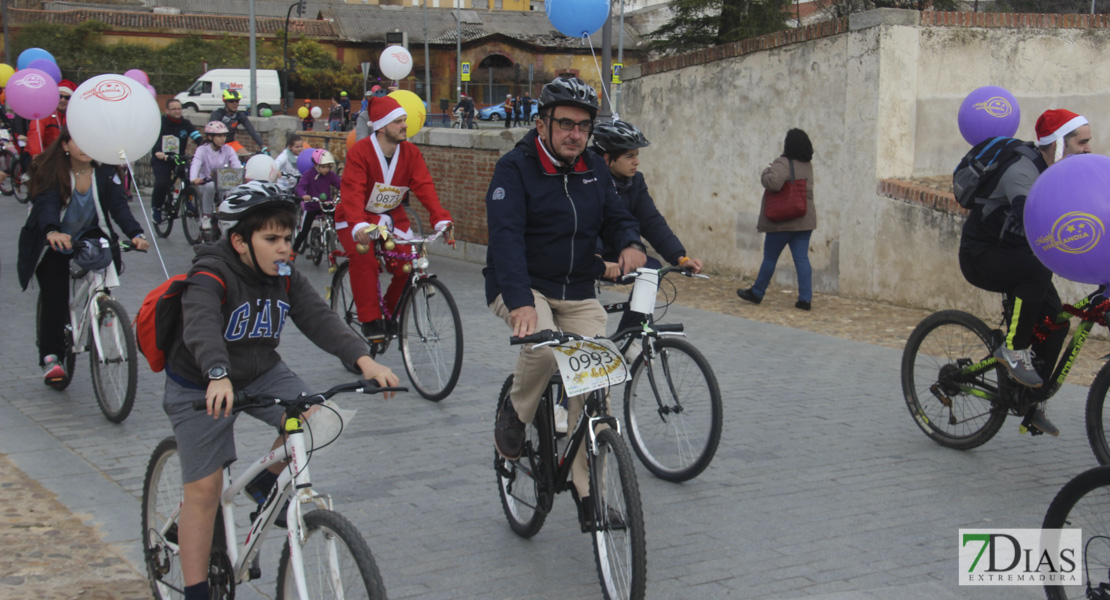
<point>618,136</point>
<point>570,92</point>
<point>248,197</point>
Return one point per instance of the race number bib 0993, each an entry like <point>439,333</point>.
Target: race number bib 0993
<point>384,198</point>
<point>588,365</point>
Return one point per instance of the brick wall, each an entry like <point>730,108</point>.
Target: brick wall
<point>912,192</point>
<point>461,177</point>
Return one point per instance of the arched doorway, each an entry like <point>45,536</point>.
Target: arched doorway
<point>495,76</point>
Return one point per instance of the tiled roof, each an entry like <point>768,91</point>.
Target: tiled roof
<point>193,23</point>
<point>370,23</point>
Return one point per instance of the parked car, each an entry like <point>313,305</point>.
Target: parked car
<point>497,112</point>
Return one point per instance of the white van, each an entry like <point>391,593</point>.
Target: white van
<point>206,93</point>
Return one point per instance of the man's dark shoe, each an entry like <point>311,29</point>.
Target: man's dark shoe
<point>508,433</point>
<point>1039,420</point>
<point>374,330</point>
<point>586,517</point>
<point>157,216</point>
<point>747,294</point>
<point>802,305</point>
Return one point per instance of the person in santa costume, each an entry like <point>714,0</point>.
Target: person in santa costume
<point>995,255</point>
<point>381,170</point>
<point>42,132</point>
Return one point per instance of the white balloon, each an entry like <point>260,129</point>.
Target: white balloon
<point>395,62</point>
<point>262,168</point>
<point>316,112</point>
<point>113,119</point>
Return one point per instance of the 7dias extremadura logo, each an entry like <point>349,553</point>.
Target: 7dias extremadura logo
<point>1021,557</point>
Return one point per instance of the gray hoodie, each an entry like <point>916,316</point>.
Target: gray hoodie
<point>240,327</point>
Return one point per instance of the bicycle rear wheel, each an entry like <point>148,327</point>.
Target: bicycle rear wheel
<point>618,535</point>
<point>337,562</point>
<point>1084,503</point>
<point>672,408</point>
<point>343,299</point>
<point>190,215</point>
<point>163,493</point>
<point>115,371</point>
<point>960,412</point>
<point>522,484</point>
<point>431,339</point>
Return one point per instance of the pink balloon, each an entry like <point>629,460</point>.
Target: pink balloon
<point>1066,215</point>
<point>32,94</point>
<point>137,75</point>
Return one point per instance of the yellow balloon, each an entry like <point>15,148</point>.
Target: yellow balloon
<point>414,109</point>
<point>6,71</point>
<point>302,112</point>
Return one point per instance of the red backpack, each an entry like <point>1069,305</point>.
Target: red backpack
<point>158,318</point>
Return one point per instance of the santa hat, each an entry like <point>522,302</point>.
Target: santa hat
<point>383,110</point>
<point>1054,124</point>
<point>67,86</point>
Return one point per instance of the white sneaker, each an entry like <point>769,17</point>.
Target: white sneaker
<point>560,419</point>
<point>206,222</point>
<point>633,351</point>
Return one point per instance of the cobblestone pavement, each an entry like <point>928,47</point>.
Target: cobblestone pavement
<point>823,487</point>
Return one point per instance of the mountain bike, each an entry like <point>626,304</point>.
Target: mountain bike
<point>959,394</point>
<point>528,485</point>
<point>99,325</point>
<point>672,403</point>
<point>175,203</point>
<point>324,554</point>
<point>322,238</point>
<point>1084,503</point>
<point>461,121</point>
<point>426,323</point>
<point>10,153</point>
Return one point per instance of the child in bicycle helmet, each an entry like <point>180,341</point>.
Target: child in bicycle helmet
<point>232,313</point>
<point>211,156</point>
<point>319,180</point>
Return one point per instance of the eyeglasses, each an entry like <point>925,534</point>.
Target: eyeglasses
<point>569,124</point>
<point>231,101</point>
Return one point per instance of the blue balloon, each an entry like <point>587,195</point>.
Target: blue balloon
<point>48,67</point>
<point>30,54</point>
<point>576,18</point>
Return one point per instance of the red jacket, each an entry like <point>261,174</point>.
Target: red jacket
<point>42,132</point>
<point>363,170</point>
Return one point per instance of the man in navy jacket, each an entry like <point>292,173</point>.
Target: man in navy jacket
<point>547,206</point>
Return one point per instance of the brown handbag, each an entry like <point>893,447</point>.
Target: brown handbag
<point>789,202</point>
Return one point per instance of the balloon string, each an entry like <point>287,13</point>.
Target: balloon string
<point>146,215</point>
<point>604,89</point>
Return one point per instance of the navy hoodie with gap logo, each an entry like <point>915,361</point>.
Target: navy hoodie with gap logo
<point>545,222</point>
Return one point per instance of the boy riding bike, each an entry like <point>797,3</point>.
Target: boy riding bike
<point>241,290</point>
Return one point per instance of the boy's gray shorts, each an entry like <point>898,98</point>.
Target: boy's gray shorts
<point>207,445</point>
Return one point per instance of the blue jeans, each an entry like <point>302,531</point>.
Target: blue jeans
<point>799,249</point>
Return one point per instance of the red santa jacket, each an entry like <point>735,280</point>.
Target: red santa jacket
<point>42,132</point>
<point>364,169</point>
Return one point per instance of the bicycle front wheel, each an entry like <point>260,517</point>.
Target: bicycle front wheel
<point>190,215</point>
<point>172,207</point>
<point>315,244</point>
<point>163,493</point>
<point>956,411</point>
<point>337,562</point>
<point>618,531</point>
<point>1084,503</point>
<point>522,483</point>
<point>1098,415</point>
<point>114,368</point>
<point>19,187</point>
<point>431,339</point>
<point>672,408</point>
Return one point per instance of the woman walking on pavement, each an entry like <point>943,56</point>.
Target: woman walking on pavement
<point>797,151</point>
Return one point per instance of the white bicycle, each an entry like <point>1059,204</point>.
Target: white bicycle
<point>324,556</point>
<point>100,326</point>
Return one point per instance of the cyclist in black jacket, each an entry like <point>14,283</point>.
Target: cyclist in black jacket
<point>232,117</point>
<point>174,127</point>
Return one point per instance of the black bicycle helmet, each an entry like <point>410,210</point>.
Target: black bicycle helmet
<point>570,92</point>
<point>248,197</point>
<point>618,136</point>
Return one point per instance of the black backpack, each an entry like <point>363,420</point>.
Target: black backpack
<point>978,172</point>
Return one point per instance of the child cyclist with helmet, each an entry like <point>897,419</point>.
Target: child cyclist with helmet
<point>232,118</point>
<point>241,290</point>
<point>317,181</point>
<point>619,144</point>
<point>215,154</point>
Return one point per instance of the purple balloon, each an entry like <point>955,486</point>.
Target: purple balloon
<point>987,112</point>
<point>1065,216</point>
<point>304,160</point>
<point>47,66</point>
<point>152,91</point>
<point>32,94</point>
<point>137,75</point>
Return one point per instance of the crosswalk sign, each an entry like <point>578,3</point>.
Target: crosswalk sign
<point>466,71</point>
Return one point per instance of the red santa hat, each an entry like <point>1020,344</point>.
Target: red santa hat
<point>383,110</point>
<point>1055,123</point>
<point>66,87</point>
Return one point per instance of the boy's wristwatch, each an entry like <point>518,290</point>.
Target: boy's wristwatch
<point>217,372</point>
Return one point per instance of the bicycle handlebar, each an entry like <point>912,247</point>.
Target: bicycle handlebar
<point>546,337</point>
<point>245,400</point>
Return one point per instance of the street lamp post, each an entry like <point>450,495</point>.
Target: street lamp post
<point>299,5</point>
<point>458,51</point>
